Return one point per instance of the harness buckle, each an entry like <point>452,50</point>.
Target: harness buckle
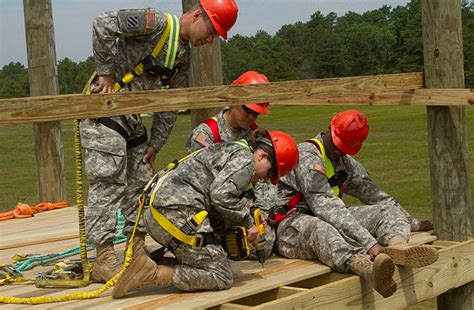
<point>199,241</point>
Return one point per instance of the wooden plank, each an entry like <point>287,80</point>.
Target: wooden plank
<point>44,227</point>
<point>348,90</point>
<point>454,268</point>
<point>444,243</point>
<point>269,295</point>
<point>43,80</point>
<point>447,131</point>
<point>422,237</point>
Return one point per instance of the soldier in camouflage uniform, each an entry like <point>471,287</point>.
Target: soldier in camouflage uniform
<point>118,159</point>
<point>213,179</point>
<point>317,224</point>
<point>232,124</point>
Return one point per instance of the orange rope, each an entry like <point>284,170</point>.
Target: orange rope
<point>23,210</point>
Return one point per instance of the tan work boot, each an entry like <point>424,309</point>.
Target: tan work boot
<point>379,273</point>
<point>138,241</point>
<point>414,256</point>
<point>106,264</point>
<point>142,271</point>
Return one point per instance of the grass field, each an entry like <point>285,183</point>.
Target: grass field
<point>395,153</point>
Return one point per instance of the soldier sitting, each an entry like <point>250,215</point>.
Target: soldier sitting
<point>314,223</point>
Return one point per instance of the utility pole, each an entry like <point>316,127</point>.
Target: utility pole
<point>447,134</point>
<point>43,78</point>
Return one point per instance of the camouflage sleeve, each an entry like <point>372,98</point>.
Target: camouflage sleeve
<point>324,204</point>
<point>265,196</point>
<point>361,186</point>
<point>228,190</point>
<point>200,137</point>
<point>161,127</point>
<point>108,27</point>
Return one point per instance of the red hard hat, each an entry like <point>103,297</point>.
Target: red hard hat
<point>222,13</point>
<point>253,77</point>
<point>286,153</point>
<point>349,129</point>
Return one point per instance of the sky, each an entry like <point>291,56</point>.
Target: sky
<point>73,20</point>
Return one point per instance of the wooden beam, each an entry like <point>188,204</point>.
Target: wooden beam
<point>43,78</point>
<point>454,268</point>
<point>206,70</point>
<point>447,134</point>
<point>365,90</point>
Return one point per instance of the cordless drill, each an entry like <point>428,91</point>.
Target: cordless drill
<point>260,245</point>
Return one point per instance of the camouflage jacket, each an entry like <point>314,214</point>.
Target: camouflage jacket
<point>214,179</point>
<point>309,179</point>
<point>121,40</point>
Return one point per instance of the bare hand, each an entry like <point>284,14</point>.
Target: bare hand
<point>149,157</point>
<point>375,250</point>
<point>252,233</point>
<point>105,84</point>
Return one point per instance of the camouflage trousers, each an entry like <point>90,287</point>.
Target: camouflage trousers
<point>308,237</point>
<point>116,176</point>
<point>206,268</point>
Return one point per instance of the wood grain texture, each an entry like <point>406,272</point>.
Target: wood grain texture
<point>43,80</point>
<point>392,89</point>
<point>447,134</point>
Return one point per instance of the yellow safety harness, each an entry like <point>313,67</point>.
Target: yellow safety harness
<point>192,239</point>
<point>327,162</point>
<point>171,33</point>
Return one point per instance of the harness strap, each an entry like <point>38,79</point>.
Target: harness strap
<point>253,126</point>
<point>110,123</point>
<point>327,162</point>
<point>195,241</point>
<point>171,26</point>
<point>213,125</point>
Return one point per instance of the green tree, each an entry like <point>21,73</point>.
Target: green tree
<point>14,81</point>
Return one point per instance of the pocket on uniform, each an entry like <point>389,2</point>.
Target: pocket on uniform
<point>105,166</point>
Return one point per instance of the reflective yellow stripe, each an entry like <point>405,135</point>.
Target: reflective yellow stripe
<point>328,164</point>
<point>173,43</point>
<point>139,68</point>
<point>174,231</point>
<point>163,38</point>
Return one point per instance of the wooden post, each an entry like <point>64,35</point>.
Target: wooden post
<point>206,70</point>
<point>447,134</point>
<point>43,79</point>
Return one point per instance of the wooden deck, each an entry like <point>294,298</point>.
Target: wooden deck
<point>283,284</point>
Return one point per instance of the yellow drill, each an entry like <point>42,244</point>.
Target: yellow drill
<point>260,245</point>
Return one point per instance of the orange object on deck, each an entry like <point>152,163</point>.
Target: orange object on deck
<point>23,210</point>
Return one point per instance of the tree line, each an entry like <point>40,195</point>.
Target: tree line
<point>386,40</point>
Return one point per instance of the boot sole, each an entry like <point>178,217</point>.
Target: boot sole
<point>384,269</point>
<point>412,256</point>
<point>123,284</point>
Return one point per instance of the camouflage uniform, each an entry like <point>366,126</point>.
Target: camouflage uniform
<point>121,40</point>
<point>214,180</point>
<point>265,193</point>
<point>335,232</point>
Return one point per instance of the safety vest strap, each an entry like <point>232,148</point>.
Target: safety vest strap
<point>329,171</point>
<point>171,33</point>
<point>173,42</point>
<point>214,127</point>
